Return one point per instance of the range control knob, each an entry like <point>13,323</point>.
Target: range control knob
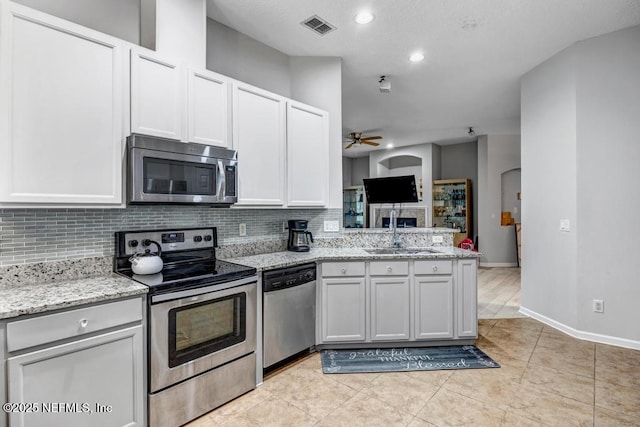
<point>207,238</point>
<point>133,243</point>
<point>197,239</point>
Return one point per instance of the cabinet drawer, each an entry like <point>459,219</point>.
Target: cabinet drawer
<point>389,268</point>
<point>48,328</point>
<point>434,267</point>
<point>343,269</point>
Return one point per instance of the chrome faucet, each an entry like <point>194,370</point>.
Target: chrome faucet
<point>396,242</point>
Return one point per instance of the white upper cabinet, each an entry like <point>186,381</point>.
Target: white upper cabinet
<point>61,112</point>
<point>259,138</point>
<point>307,155</point>
<point>170,101</point>
<point>157,96</point>
<point>209,108</point>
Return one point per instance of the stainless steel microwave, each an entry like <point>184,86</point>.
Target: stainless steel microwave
<point>163,170</point>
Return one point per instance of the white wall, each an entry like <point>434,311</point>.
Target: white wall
<point>347,166</point>
<point>237,55</point>
<point>580,155</point>
<point>181,30</point>
<point>378,166</point>
<point>119,18</point>
<point>608,172</point>
<point>317,81</point>
<point>461,161</point>
<point>359,170</point>
<point>496,154</point>
<point>511,186</point>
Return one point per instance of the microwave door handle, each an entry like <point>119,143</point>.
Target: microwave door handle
<point>222,182</point>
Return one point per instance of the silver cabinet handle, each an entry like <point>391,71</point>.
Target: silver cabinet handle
<point>344,271</point>
<point>389,269</point>
<point>435,268</point>
<point>83,323</point>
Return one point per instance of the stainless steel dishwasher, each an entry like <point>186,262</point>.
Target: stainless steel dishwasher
<point>289,312</point>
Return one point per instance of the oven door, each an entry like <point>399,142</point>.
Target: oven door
<point>194,331</point>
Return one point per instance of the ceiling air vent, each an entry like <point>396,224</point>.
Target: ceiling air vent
<point>318,25</point>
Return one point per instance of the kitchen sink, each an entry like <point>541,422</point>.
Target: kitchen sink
<point>401,251</point>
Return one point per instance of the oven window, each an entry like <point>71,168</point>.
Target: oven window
<point>200,329</point>
<point>162,176</point>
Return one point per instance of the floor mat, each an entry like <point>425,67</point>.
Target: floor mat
<point>405,359</point>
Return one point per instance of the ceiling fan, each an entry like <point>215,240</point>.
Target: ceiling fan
<point>357,138</point>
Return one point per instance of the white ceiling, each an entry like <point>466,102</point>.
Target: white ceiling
<point>475,52</point>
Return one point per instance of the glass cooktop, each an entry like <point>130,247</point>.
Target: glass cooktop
<point>191,275</point>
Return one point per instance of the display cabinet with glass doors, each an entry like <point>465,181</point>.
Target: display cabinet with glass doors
<point>452,207</point>
<point>354,207</point>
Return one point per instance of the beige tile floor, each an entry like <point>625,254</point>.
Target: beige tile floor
<point>498,293</point>
<point>546,379</point>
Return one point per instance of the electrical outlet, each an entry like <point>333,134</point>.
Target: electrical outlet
<point>437,239</point>
<point>332,226</point>
<point>242,229</point>
<point>565,225</point>
<point>598,306</point>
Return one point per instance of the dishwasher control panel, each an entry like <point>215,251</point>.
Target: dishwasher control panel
<point>274,280</point>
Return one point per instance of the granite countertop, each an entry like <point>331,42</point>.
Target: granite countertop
<point>401,230</point>
<point>285,258</point>
<point>45,287</point>
<point>39,298</point>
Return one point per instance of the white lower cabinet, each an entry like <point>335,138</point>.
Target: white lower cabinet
<point>395,301</point>
<point>467,298</point>
<point>343,309</point>
<point>390,308</point>
<point>84,379</point>
<point>433,305</point>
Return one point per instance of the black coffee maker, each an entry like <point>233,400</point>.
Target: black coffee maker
<point>299,237</point>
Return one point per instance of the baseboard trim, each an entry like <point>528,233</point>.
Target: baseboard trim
<point>582,335</point>
<point>498,264</point>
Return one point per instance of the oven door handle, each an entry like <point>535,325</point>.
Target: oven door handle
<point>204,290</point>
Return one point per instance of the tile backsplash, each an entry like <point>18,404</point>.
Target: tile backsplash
<point>39,235</point>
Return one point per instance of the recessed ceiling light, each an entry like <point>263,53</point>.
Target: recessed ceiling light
<point>390,145</point>
<point>416,57</point>
<point>364,17</point>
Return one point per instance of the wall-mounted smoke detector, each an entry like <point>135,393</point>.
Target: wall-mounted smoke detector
<point>318,25</point>
<point>385,84</point>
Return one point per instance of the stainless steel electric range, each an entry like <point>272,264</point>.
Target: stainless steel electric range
<point>201,319</point>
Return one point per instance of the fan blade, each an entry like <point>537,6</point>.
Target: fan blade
<point>349,146</point>
<point>375,144</point>
<point>371,137</point>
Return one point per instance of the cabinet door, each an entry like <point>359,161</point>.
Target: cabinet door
<point>307,155</point>
<point>209,106</point>
<point>259,138</point>
<point>61,111</point>
<point>157,96</point>
<point>390,308</point>
<point>343,309</point>
<point>433,305</point>
<point>103,370</point>
<point>467,298</point>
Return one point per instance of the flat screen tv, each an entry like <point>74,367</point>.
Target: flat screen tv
<point>392,189</point>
